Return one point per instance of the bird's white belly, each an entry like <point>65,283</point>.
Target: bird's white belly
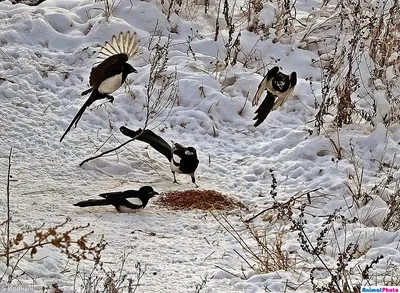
<point>124,209</point>
<point>110,84</point>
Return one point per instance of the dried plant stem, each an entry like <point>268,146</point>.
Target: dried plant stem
<point>276,204</point>
<point>7,252</point>
<point>109,151</point>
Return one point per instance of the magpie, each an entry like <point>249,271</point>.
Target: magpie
<point>111,73</point>
<point>279,87</point>
<point>119,199</point>
<point>183,160</point>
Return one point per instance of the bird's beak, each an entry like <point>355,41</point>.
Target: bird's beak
<point>134,70</point>
<point>154,193</point>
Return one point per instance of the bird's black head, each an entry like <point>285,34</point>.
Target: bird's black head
<point>127,68</point>
<point>281,82</point>
<point>190,151</point>
<point>147,191</point>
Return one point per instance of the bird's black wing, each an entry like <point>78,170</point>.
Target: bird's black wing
<point>272,72</point>
<point>148,136</point>
<point>112,195</point>
<point>264,109</point>
<point>189,164</point>
<point>293,79</point>
<point>120,194</point>
<point>120,198</point>
<point>109,67</point>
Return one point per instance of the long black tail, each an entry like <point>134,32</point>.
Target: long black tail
<point>148,136</point>
<point>95,95</point>
<point>93,202</point>
<point>264,109</point>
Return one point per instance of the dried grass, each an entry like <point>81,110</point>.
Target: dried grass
<point>198,199</point>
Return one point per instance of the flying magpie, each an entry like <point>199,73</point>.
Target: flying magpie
<point>111,73</point>
<point>119,199</point>
<point>279,87</point>
<point>183,160</point>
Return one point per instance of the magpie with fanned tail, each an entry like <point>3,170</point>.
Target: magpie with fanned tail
<point>111,71</point>
<point>279,87</point>
<point>140,199</point>
<point>183,160</point>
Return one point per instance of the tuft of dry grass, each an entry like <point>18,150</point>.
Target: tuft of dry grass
<point>198,199</point>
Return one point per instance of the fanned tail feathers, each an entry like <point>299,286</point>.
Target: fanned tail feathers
<point>125,43</point>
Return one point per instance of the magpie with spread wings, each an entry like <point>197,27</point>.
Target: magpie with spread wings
<point>279,87</point>
<point>111,72</point>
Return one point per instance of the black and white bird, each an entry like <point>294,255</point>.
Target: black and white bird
<point>111,73</point>
<point>139,199</point>
<point>279,87</point>
<point>183,160</point>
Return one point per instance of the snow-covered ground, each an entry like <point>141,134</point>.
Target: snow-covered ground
<point>46,56</point>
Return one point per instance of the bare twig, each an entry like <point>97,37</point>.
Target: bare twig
<point>276,204</point>
<point>8,210</point>
<point>109,151</point>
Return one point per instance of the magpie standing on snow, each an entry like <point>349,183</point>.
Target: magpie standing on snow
<point>119,199</point>
<point>279,87</point>
<point>183,160</point>
<point>111,73</point>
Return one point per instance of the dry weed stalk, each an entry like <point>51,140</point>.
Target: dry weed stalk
<point>109,7</point>
<point>357,66</point>
<point>102,279</point>
<point>267,255</point>
<point>162,88</point>
<point>76,248</point>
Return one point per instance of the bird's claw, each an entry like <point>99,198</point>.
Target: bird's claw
<point>110,98</point>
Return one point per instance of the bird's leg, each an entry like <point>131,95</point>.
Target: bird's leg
<point>110,98</point>
<point>194,181</point>
<point>174,178</point>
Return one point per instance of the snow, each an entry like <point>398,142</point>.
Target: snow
<point>45,59</point>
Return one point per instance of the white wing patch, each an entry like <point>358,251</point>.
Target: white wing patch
<point>282,97</point>
<point>176,159</point>
<point>125,43</point>
<point>135,201</point>
<point>264,85</point>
